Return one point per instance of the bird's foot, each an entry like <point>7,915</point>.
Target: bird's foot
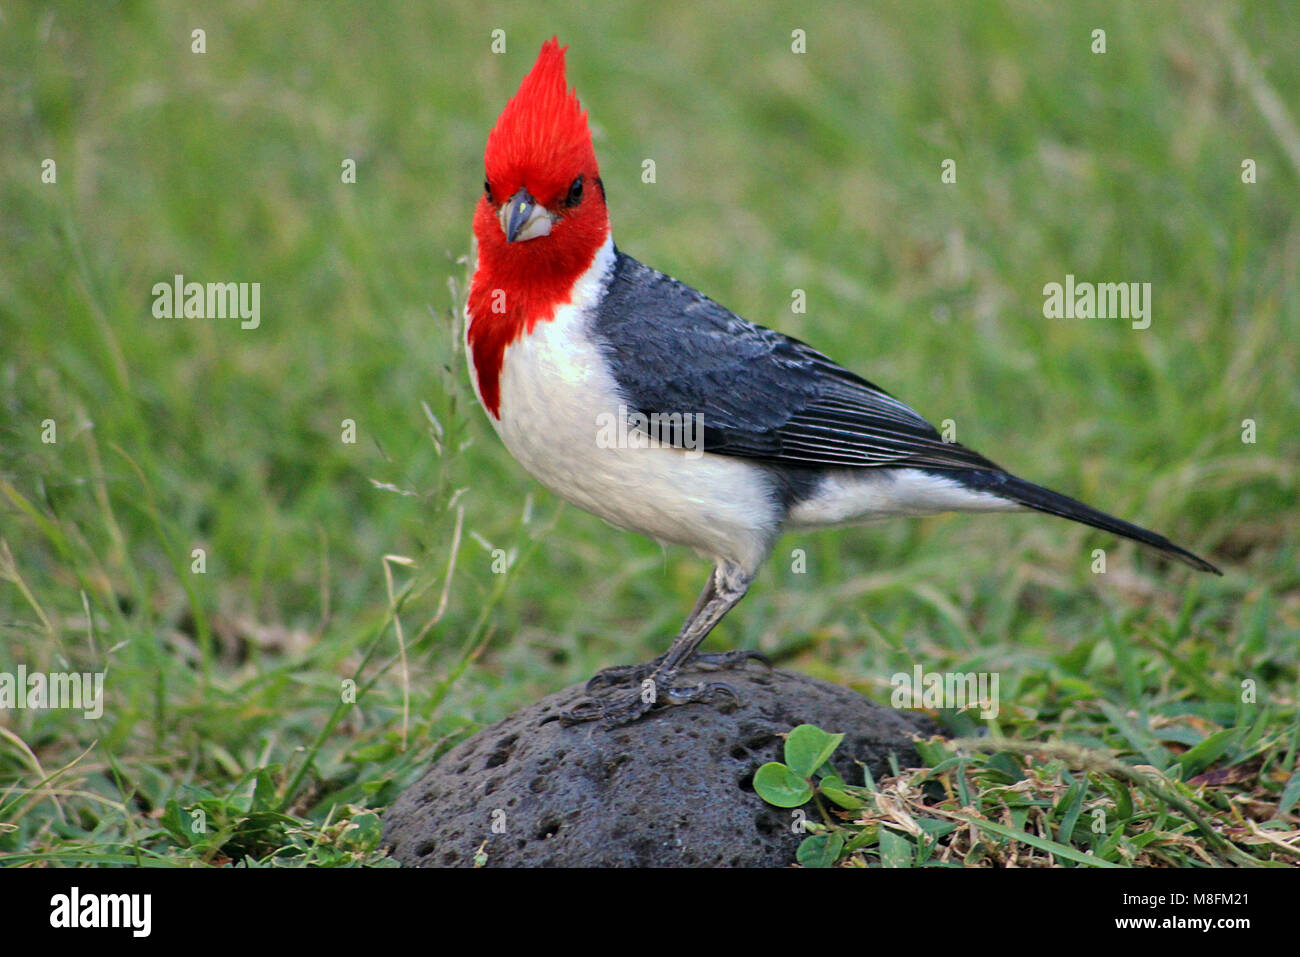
<point>726,660</point>
<point>658,690</point>
<point>705,661</point>
<point>624,674</point>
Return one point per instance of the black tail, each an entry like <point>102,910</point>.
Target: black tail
<point>1053,503</point>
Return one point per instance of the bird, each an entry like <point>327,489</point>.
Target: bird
<point>633,396</point>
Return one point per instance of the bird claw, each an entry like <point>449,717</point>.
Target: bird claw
<point>624,674</point>
<point>662,693</point>
<point>686,695</point>
<point>728,660</point>
<point>611,714</point>
<point>704,661</point>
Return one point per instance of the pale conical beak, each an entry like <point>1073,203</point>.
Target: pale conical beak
<point>522,217</point>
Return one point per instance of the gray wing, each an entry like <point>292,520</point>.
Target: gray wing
<point>761,394</point>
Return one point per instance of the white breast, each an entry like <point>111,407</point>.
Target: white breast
<point>555,386</point>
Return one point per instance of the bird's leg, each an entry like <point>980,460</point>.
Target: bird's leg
<point>726,586</point>
<point>635,674</point>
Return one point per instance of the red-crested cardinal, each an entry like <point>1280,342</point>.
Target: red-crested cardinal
<point>648,404</point>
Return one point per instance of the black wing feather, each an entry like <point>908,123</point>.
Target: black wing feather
<point>762,394</point>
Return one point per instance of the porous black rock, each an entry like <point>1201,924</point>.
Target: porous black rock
<point>674,789</point>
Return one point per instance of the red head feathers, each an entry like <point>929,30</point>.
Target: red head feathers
<point>540,220</point>
<point>541,140</point>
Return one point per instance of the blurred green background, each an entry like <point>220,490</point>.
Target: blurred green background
<point>774,171</point>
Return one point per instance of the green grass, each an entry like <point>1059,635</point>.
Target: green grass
<point>774,172</point>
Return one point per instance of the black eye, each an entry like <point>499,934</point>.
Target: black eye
<point>487,189</point>
<point>575,193</point>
